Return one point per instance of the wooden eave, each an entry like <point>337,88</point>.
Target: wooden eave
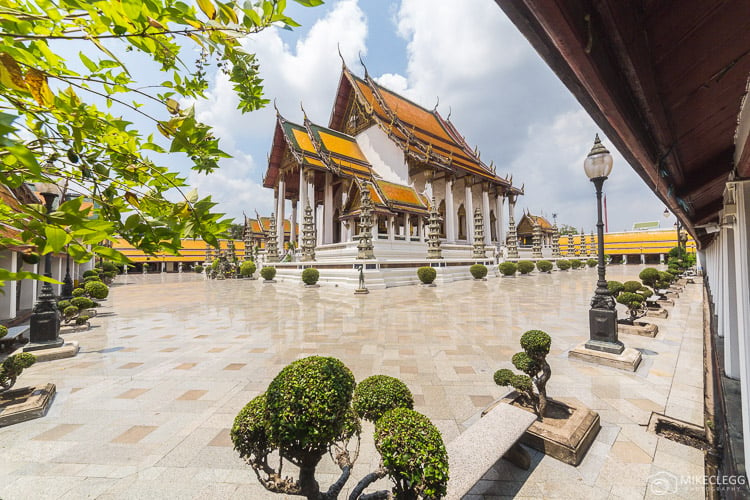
<point>664,80</point>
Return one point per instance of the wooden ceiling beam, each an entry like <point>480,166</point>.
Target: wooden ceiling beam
<point>710,172</point>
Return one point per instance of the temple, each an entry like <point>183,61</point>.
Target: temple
<point>408,159</point>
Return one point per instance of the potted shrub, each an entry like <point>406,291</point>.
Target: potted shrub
<point>479,271</point>
<point>90,273</point>
<point>3,331</point>
<point>427,275</point>
<point>568,442</point>
<point>525,266</point>
<point>563,264</point>
<point>575,263</point>
<point>544,266</point>
<point>310,277</point>
<point>198,268</point>
<point>508,268</point>
<point>247,269</point>
<point>634,299</point>
<point>268,274</point>
<point>79,292</point>
<point>96,290</point>
<point>592,262</point>
<point>615,287</point>
<point>11,368</point>
<point>312,409</point>
<point>649,276</point>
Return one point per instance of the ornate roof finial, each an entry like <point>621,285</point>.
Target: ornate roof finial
<point>359,55</point>
<point>436,104</point>
<point>304,114</point>
<point>343,63</point>
<point>278,113</point>
<point>450,110</point>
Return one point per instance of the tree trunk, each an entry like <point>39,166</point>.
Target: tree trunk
<point>309,486</point>
<point>541,386</point>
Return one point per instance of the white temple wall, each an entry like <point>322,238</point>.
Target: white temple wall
<point>386,158</point>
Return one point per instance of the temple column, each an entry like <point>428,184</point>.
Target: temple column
<point>469,207</point>
<point>728,327</point>
<point>500,229</point>
<point>391,228</point>
<point>293,223</point>
<point>280,214</point>
<point>486,215</point>
<point>450,212</point>
<point>328,209</point>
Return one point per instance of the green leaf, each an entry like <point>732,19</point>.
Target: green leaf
<point>6,275</point>
<point>56,238</point>
<point>192,195</point>
<point>111,254</point>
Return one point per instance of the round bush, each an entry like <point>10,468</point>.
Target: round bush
<point>544,266</point>
<point>62,304</point>
<point>70,312</point>
<point>251,432</point>
<point>536,342</point>
<point>630,299</point>
<point>198,268</point>
<point>563,264</point>
<point>615,287</point>
<point>82,302</point>
<point>90,272</point>
<point>91,278</point>
<point>378,394</point>
<point>645,292</point>
<point>592,262</point>
<point>413,454</point>
<point>82,320</point>
<point>508,268</point>
<point>308,404</point>
<point>30,258</point>
<point>649,276</point>
<point>79,292</point>
<point>631,286</point>
<point>504,377</point>
<point>3,331</point>
<point>524,362</point>
<point>575,263</point>
<point>96,290</point>
<point>525,266</point>
<point>478,271</point>
<point>109,267</point>
<point>268,273</point>
<point>247,268</point>
<point>426,274</point>
<point>310,276</point>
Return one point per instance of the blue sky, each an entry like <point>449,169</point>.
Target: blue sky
<point>500,95</point>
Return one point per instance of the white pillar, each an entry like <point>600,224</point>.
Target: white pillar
<point>328,209</point>
<point>293,223</point>
<point>728,319</point>
<point>391,228</point>
<point>469,206</point>
<point>486,215</point>
<point>304,191</point>
<point>450,212</point>
<point>9,261</point>
<point>742,260</point>
<point>500,229</point>
<point>280,214</point>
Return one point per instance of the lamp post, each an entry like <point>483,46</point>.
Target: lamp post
<point>603,314</point>
<point>44,326</point>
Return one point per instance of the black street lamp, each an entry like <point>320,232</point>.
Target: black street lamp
<point>44,327</point>
<point>66,292</point>
<point>603,314</point>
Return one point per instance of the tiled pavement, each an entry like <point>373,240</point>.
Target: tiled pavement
<point>144,410</point>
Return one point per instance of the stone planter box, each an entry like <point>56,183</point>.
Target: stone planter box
<point>26,403</point>
<point>566,433</point>
<point>639,328</point>
<point>315,285</point>
<point>657,313</point>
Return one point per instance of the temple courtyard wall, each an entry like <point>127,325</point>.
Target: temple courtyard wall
<point>144,410</point>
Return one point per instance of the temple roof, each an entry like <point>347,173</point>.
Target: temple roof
<point>317,147</point>
<point>422,134</point>
<point>387,198</point>
<point>261,227</point>
<point>529,220</point>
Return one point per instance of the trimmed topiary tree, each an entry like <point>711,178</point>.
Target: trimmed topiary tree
<point>563,264</point>
<point>634,302</point>
<point>533,363</point>
<point>631,286</point>
<point>508,268</point>
<point>592,262</point>
<point>90,272</point>
<point>82,302</point>
<point>525,266</point>
<point>649,276</point>
<point>3,331</point>
<point>413,454</point>
<point>426,274</point>
<point>575,263</point>
<point>268,273</point>
<point>96,290</point>
<point>478,271</point>
<point>247,269</point>
<point>79,292</point>
<point>615,287</point>
<point>544,266</point>
<point>11,368</point>
<point>309,410</point>
<point>198,268</point>
<point>310,276</point>
<point>378,394</point>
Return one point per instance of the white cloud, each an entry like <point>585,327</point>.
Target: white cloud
<point>305,73</point>
<point>504,98</point>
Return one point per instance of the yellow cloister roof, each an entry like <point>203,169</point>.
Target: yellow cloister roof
<point>400,197</point>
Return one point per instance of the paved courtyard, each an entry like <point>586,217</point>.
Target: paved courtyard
<point>144,410</point>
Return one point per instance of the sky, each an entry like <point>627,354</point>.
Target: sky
<point>464,54</point>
